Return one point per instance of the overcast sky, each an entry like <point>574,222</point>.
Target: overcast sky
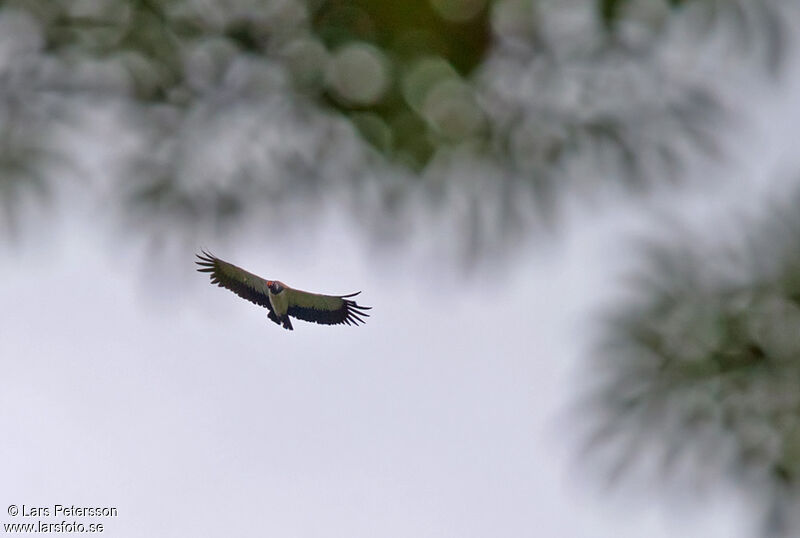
<point>194,415</point>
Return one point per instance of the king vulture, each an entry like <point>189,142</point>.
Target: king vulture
<point>281,300</point>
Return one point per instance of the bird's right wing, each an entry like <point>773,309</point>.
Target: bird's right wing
<point>244,284</point>
<point>325,309</point>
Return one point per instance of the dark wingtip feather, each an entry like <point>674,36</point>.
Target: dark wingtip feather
<point>206,261</point>
<point>354,311</point>
<point>206,256</point>
<point>357,309</point>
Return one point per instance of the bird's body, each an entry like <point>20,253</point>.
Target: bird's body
<point>281,300</point>
<point>279,303</point>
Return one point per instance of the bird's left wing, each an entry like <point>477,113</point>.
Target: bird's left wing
<point>244,284</point>
<point>325,309</point>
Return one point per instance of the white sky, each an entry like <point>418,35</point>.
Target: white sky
<point>194,415</point>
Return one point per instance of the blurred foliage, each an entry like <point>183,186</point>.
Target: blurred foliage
<point>423,47</point>
<point>698,377</point>
<point>482,111</point>
<point>612,11</point>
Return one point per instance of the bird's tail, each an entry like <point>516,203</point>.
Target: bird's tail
<point>285,321</point>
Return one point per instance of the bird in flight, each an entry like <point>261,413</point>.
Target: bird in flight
<point>281,300</point>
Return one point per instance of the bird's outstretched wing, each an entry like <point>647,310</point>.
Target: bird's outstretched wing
<point>325,309</point>
<point>244,284</point>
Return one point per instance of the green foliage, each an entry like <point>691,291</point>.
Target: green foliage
<point>441,90</point>
<point>700,366</point>
<point>611,11</point>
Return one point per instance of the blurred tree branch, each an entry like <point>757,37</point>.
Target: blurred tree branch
<point>700,366</point>
<point>519,91</point>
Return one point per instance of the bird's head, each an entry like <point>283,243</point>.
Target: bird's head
<point>275,286</point>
